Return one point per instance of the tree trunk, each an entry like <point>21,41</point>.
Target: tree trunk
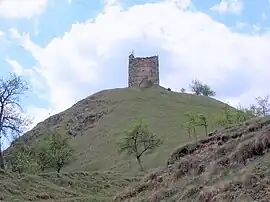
<point>139,161</point>
<point>58,170</point>
<point>189,133</point>
<point>2,165</point>
<point>206,132</point>
<point>195,133</point>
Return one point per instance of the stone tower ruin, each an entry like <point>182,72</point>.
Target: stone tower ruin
<point>143,71</point>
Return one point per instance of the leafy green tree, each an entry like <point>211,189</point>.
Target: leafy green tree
<point>202,121</point>
<point>11,120</point>
<point>43,155</point>
<point>241,116</point>
<point>191,124</point>
<point>201,89</point>
<point>54,152</point>
<point>225,118</point>
<point>228,114</point>
<point>220,120</point>
<point>207,91</point>
<point>138,141</point>
<point>20,158</point>
<point>244,114</point>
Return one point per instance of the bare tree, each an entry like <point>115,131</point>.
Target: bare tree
<point>263,105</point>
<point>183,90</point>
<point>252,110</point>
<point>139,141</point>
<point>196,87</point>
<point>12,122</point>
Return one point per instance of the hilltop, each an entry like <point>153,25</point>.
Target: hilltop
<point>98,122</point>
<point>232,164</point>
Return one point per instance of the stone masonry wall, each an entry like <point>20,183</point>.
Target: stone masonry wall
<point>142,70</point>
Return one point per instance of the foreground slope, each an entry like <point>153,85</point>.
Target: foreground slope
<point>72,186</point>
<point>97,123</point>
<point>232,164</point>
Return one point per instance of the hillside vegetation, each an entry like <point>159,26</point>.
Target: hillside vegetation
<point>232,164</point>
<point>72,186</point>
<point>96,148</point>
<point>97,123</point>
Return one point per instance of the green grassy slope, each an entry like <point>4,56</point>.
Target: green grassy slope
<point>72,186</point>
<point>99,120</point>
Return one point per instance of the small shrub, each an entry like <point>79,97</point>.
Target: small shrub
<point>43,196</point>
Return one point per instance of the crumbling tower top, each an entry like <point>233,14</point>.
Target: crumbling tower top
<point>142,71</point>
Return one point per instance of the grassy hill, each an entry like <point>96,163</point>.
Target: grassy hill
<point>230,165</point>
<point>97,123</point>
